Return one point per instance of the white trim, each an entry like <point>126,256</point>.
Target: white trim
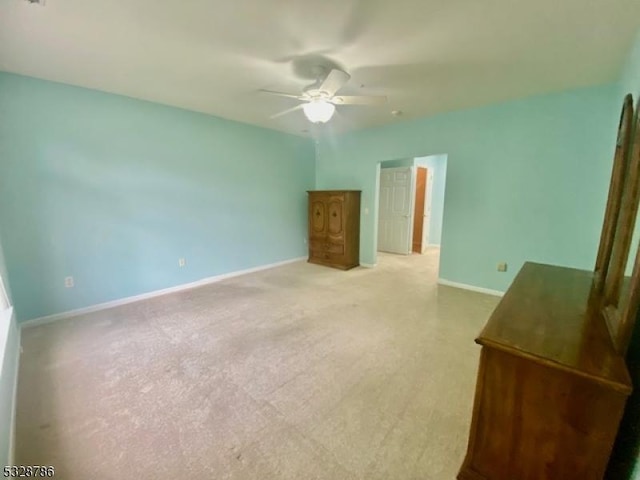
<point>6,315</point>
<point>144,296</point>
<point>433,245</point>
<point>4,298</point>
<point>412,203</point>
<point>368,265</point>
<point>8,322</point>
<point>14,402</point>
<point>473,288</point>
<point>428,198</point>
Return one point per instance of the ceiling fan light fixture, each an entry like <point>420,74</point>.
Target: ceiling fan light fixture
<point>319,110</point>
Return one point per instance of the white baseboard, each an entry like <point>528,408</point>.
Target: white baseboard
<point>144,296</point>
<point>368,265</point>
<point>433,245</point>
<point>473,288</point>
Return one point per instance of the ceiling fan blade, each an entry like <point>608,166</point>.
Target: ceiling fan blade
<point>359,100</point>
<point>297,107</point>
<point>282,94</point>
<point>334,81</point>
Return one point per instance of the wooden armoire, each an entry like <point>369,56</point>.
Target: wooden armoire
<point>553,381</point>
<point>334,228</point>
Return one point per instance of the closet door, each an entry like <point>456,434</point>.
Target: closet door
<point>395,221</point>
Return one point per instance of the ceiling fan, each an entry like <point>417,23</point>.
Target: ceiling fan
<point>320,99</point>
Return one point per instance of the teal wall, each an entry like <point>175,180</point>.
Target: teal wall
<point>112,191</point>
<point>630,78</point>
<point>526,180</point>
<point>438,165</point>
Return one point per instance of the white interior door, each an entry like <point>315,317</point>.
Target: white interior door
<point>427,210</point>
<point>395,211</point>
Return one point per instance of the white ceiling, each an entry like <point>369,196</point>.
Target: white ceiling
<point>213,56</point>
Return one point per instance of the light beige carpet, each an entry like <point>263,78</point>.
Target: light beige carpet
<point>299,372</point>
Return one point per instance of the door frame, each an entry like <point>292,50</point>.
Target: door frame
<point>412,208</point>
<point>428,200</point>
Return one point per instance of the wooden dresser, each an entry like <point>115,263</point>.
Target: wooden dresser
<point>551,388</point>
<point>334,228</point>
<point>553,381</point>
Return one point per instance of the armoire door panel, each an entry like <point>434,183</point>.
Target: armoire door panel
<point>318,218</point>
<point>336,225</point>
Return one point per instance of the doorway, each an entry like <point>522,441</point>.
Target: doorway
<point>411,204</point>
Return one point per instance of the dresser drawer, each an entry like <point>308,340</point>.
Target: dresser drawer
<point>319,246</point>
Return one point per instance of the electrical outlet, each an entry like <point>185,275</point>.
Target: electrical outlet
<point>502,267</point>
<point>68,282</point>
<point>181,262</point>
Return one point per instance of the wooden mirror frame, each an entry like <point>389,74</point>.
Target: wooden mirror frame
<point>620,316</point>
<point>614,201</point>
